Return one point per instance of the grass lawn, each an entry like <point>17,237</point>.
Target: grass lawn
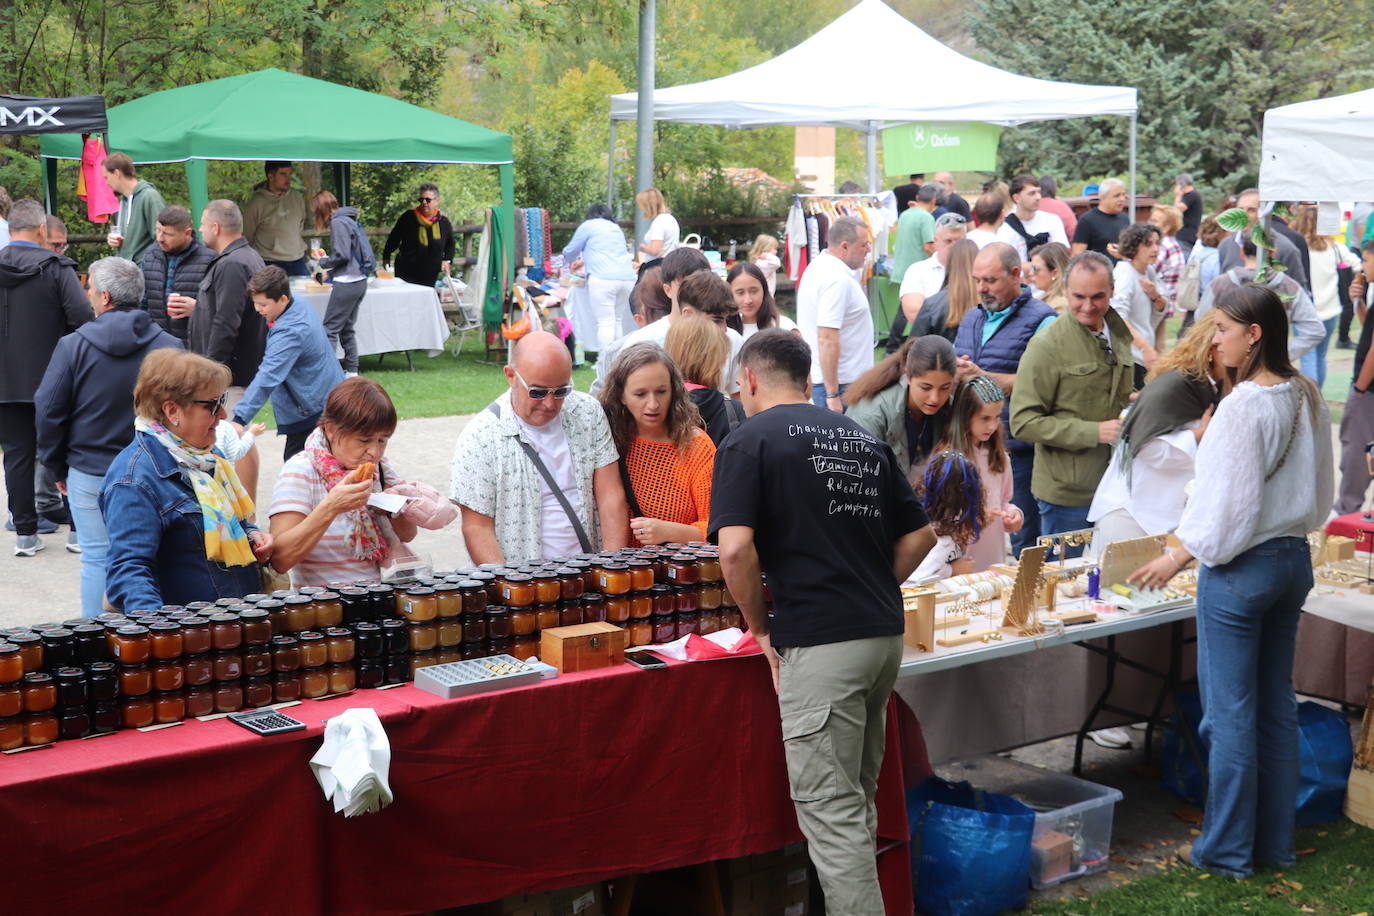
<point>1334,875</point>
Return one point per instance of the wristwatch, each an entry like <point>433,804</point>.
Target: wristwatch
<point>1358,389</point>
<point>835,396</point>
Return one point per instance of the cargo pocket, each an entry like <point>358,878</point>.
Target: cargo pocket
<point>810,754</point>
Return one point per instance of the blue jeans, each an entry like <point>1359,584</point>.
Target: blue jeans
<point>1247,624</point>
<point>296,268</point>
<point>1058,519</point>
<point>1022,464</point>
<point>1314,360</point>
<point>83,493</point>
<point>818,393</point>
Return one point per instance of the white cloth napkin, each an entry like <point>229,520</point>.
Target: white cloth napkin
<point>353,762</point>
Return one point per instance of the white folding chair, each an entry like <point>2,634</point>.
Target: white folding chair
<point>469,312</point>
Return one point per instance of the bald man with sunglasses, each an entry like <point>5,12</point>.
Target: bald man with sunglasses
<point>535,474</point>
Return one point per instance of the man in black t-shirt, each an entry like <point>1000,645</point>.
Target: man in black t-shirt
<point>1102,226</point>
<point>810,497</point>
<point>906,193</point>
<point>1189,203</point>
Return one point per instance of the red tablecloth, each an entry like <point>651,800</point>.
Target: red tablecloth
<point>579,779</point>
<point>1355,526</point>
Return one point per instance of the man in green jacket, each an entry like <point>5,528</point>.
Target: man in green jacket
<point>135,227</point>
<point>1072,384</point>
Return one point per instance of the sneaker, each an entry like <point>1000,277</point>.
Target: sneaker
<point>350,375</point>
<point>1115,739</point>
<point>1346,344</point>
<point>72,546</point>
<point>27,545</point>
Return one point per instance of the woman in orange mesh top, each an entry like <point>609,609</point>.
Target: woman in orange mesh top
<point>666,458</point>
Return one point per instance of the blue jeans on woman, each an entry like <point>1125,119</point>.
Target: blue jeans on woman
<point>1247,625</point>
<point>83,494</point>
<point>1313,363</point>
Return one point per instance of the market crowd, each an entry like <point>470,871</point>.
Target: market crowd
<point>1035,393</point>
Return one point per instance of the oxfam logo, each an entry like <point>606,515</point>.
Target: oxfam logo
<point>918,136</point>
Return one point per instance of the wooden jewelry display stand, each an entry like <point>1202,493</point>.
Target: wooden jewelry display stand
<point>1122,558</point>
<point>1023,598</point>
<point>1359,792</point>
<point>918,607</point>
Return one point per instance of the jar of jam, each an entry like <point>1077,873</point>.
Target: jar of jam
<point>473,596</point>
<point>582,568</point>
<point>104,717</point>
<point>709,596</point>
<point>195,635</point>
<point>11,700</point>
<point>419,605</point>
<point>367,636</point>
<point>59,647</point>
<point>300,614</point>
<point>166,640</point>
<point>448,600</point>
<point>356,604</point>
<point>201,606</point>
<point>169,706</point>
<point>342,678</point>
<point>641,605</point>
<point>592,606</point>
<point>383,601</point>
<point>517,590</point>
<point>286,686</point>
<point>371,673</point>
<point>11,733</point>
<point>731,617</point>
<point>39,691</point>
<point>470,650</point>
<point>450,632</point>
<point>571,613</point>
<point>30,647</point>
<point>708,566</point>
<point>547,589</point>
<point>395,639</point>
<point>445,655</point>
<point>496,647</point>
<point>228,666</point>
<point>40,728</point>
<point>197,669</point>
<point>397,668</point>
<point>498,622</point>
<point>12,665</point>
<point>641,575</point>
<point>72,686</point>
<point>524,647</point>
<point>257,661</point>
<point>614,579</point>
<point>257,691</point>
<point>617,608</point>
<point>487,580</point>
<point>523,621</point>
<point>314,682</point>
<point>340,645</point>
<point>102,682</point>
<point>639,632</point>
<point>132,645</point>
<point>226,632</point>
<point>314,652</point>
<point>474,626</point>
<point>665,628</point>
<point>257,627</point>
<point>276,615</point>
<point>709,622</point>
<point>546,616</point>
<point>662,598</point>
<point>255,598</point>
<point>688,622</point>
<point>328,609</point>
<point>228,696</point>
<point>423,637</point>
<point>286,653</point>
<point>685,598</point>
<point>226,603</point>
<point>682,569</point>
<point>137,712</point>
<point>135,680</point>
<point>90,642</point>
<point>570,583</point>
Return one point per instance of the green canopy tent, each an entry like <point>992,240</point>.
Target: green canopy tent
<point>272,114</point>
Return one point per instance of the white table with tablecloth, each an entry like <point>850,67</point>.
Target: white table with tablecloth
<point>394,316</point>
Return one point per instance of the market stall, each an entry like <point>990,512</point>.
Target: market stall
<point>394,316</point>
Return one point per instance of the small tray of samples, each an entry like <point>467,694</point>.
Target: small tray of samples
<point>476,675</point>
<point>1136,600</point>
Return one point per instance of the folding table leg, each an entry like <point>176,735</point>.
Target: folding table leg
<point>1101,703</point>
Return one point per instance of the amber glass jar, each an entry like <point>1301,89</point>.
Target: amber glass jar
<point>419,605</point>
<point>11,733</point>
<point>198,669</point>
<point>90,642</point>
<point>448,632</point>
<point>547,589</point>
<point>617,608</point>
<point>166,640</point>
<point>709,622</point>
<point>228,666</point>
<point>300,614</point>
<point>40,728</point>
<point>371,673</point>
<point>571,613</point>
<point>592,606</point>
<point>104,716</point>
<point>639,632</point>
<point>257,627</point>
<point>731,617</point>
<point>641,575</point>
<point>570,583</point>
<point>383,602</point>
<point>398,668</point>
<point>614,579</point>
<point>72,686</point>
<point>474,596</point>
<point>368,638</point>
<point>132,645</point>
<point>682,569</point>
<point>340,645</point>
<point>314,682</point>
<point>314,652</point>
<point>59,647</point>
<point>517,590</point>
<point>257,691</point>
<point>448,600</point>
<point>342,678</point>
<point>11,700</point>
<point>168,674</point>
<point>688,622</point>
<point>169,707</point>
<point>395,639</point>
<point>524,647</point>
<point>136,712</point>
<point>355,603</point>
<point>226,632</point>
<point>422,637</point>
<point>257,661</point>
<point>39,691</point>
<point>420,660</point>
<point>523,621</point>
<point>498,622</point>
<point>496,647</point>
<point>708,566</point>
<point>488,582</point>
<point>546,616</point>
<point>328,609</point>
<point>31,649</point>
<point>286,686</point>
<point>102,682</point>
<point>195,635</point>
<point>474,626</point>
<point>665,628</point>
<point>228,696</point>
<point>286,653</point>
<point>709,596</point>
<point>664,602</point>
<point>11,664</point>
<point>200,701</point>
<point>641,605</point>
<point>276,615</point>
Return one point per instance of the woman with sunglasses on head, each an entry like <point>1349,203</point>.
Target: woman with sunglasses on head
<point>667,458</point>
<point>175,513</point>
<point>1264,479</point>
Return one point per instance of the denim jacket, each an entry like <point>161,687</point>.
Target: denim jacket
<point>157,539</point>
<point>297,372</point>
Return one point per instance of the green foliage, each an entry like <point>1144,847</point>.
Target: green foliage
<point>1233,220</point>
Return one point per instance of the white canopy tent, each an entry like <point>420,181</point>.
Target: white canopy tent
<point>1321,150</point>
<point>927,82</point>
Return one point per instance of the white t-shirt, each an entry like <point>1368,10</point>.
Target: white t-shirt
<point>787,324</point>
<point>924,277</point>
<point>1040,222</point>
<point>981,237</point>
<point>559,537</point>
<point>938,563</point>
<point>663,229</point>
<point>830,297</point>
<point>657,332</point>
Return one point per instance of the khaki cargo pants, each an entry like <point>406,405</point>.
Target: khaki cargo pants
<point>833,700</point>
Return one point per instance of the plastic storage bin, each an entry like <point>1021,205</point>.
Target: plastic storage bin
<point>1073,817</point>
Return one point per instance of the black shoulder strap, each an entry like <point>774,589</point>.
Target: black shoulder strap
<point>733,409</point>
<point>586,542</point>
<point>635,511</point>
<point>1018,227</point>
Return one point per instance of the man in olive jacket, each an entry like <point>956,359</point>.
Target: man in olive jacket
<point>1072,384</point>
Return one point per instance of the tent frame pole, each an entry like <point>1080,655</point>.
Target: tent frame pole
<point>644,126</point>
<point>610,171</point>
<point>1133,140</point>
<point>871,154</point>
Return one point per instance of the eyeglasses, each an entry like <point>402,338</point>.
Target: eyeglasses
<point>428,200</point>
<point>1107,352</point>
<point>214,406</point>
<point>57,247</point>
<point>539,392</point>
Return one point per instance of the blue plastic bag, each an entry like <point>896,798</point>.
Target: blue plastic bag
<point>1326,754</point>
<point>970,850</point>
<point>1183,756</point>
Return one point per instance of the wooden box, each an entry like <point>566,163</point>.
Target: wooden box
<point>583,646</point>
<point>918,607</point>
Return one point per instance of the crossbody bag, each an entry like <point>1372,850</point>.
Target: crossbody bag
<point>558,494</point>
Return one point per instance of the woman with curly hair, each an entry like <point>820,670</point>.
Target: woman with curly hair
<point>1136,295</point>
<point>666,458</point>
<point>951,494</point>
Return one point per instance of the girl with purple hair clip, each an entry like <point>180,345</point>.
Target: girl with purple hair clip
<point>951,493</point>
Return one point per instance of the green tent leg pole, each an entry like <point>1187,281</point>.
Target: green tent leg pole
<point>198,186</point>
<point>508,223</point>
<point>343,181</point>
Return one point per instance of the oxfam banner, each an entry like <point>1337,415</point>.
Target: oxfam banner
<point>932,146</point>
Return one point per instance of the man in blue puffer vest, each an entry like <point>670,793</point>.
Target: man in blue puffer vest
<point>992,339</point>
<point>173,265</point>
<point>298,368</point>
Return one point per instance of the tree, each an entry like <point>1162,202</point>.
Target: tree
<point>1204,78</point>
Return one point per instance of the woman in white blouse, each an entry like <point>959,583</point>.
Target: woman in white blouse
<point>1264,480</point>
<point>1135,295</point>
<point>1142,491</point>
<point>662,236</point>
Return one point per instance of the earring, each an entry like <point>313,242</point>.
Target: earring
<point>1249,347</point>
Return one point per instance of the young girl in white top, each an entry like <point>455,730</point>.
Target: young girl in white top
<point>975,429</point>
<point>231,443</point>
<point>1264,479</point>
<point>757,310</point>
<point>662,236</point>
<point>952,495</point>
<point>764,254</point>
